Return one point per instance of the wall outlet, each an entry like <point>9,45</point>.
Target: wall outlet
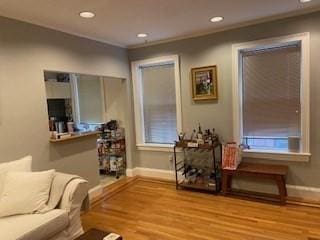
<point>170,158</point>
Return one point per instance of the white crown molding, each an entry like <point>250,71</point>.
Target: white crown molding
<point>227,28</point>
<point>194,35</point>
<point>72,33</point>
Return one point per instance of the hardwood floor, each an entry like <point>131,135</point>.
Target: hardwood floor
<point>152,210</point>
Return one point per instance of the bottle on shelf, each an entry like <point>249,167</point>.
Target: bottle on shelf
<point>193,135</point>
<point>200,133</point>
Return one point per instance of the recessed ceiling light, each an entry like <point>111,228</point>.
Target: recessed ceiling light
<point>142,35</point>
<point>305,1</point>
<point>216,19</point>
<point>87,14</point>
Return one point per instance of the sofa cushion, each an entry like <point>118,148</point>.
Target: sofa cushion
<point>33,226</point>
<point>21,165</point>
<point>25,192</point>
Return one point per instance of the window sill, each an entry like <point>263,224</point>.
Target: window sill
<point>155,147</point>
<point>276,155</point>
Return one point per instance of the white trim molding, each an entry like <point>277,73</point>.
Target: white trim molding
<point>138,99</point>
<point>303,193</point>
<point>152,173</point>
<point>95,192</point>
<point>276,155</point>
<point>156,147</point>
<point>227,28</point>
<point>129,172</point>
<point>299,192</point>
<point>304,39</point>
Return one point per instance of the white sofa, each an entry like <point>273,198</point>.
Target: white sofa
<point>61,223</point>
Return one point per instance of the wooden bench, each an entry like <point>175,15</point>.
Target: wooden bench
<point>276,173</point>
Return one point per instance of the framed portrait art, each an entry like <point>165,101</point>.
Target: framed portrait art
<point>204,83</point>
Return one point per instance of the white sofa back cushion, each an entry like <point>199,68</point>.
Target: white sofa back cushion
<point>25,192</point>
<point>21,165</point>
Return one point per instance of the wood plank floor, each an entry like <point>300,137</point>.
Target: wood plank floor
<point>151,210</point>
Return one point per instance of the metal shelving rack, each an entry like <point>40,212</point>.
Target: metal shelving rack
<point>212,175</point>
<point>112,147</point>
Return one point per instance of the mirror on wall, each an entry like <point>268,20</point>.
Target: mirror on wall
<point>80,103</point>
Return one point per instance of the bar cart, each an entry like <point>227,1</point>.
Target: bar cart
<point>198,175</point>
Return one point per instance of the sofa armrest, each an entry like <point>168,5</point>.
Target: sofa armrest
<point>74,195</point>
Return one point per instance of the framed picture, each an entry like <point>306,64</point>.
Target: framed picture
<point>204,83</point>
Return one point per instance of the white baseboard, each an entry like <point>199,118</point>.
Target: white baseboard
<point>95,192</point>
<point>129,172</point>
<point>151,172</point>
<point>306,193</point>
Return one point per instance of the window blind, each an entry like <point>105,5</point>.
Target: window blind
<point>159,103</point>
<point>271,95</point>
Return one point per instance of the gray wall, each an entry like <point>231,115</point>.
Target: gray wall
<point>25,51</point>
<point>216,49</point>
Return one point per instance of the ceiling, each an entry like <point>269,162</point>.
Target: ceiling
<point>119,21</point>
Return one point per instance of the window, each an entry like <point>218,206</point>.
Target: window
<point>271,96</point>
<point>271,102</point>
<point>157,102</point>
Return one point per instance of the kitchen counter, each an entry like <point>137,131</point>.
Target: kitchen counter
<point>75,136</point>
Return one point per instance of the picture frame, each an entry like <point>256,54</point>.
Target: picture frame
<point>204,83</point>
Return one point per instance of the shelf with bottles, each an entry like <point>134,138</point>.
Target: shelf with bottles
<point>200,166</point>
<point>109,164</point>
<point>194,144</point>
<point>206,139</point>
<point>111,148</point>
<point>199,177</point>
<point>205,185</point>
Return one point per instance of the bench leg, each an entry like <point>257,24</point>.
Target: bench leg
<point>225,181</point>
<point>229,184</point>
<point>282,189</point>
<point>284,184</point>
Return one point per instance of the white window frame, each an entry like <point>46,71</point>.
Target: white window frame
<point>138,100</point>
<point>304,39</point>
